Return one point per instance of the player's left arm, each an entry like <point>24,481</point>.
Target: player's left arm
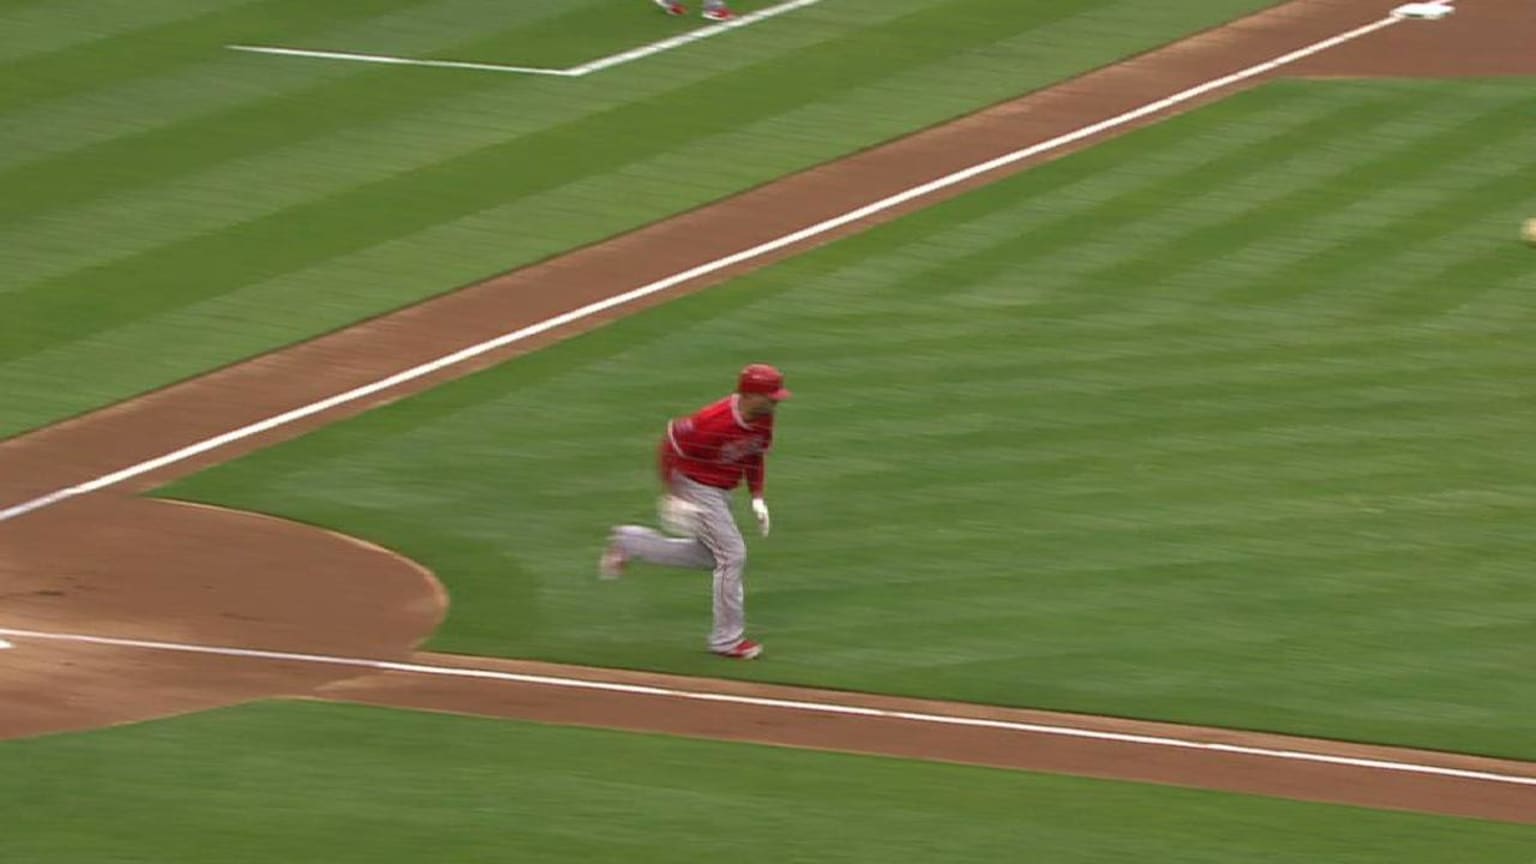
<point>756,471</point>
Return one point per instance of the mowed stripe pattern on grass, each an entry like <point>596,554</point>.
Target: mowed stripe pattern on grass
<point>1166,429</point>
<point>158,184</point>
<point>433,787</point>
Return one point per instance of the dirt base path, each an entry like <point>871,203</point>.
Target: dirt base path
<point>921,729</point>
<point>104,563</point>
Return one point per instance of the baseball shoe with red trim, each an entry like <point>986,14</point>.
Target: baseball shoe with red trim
<point>719,13</point>
<point>746,649</point>
<point>672,8</point>
<point>611,565</point>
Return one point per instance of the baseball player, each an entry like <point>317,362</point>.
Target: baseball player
<point>703,458</point>
<point>714,10</point>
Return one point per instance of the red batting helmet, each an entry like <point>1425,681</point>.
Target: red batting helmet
<point>764,379</point>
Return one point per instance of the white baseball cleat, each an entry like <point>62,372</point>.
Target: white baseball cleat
<point>611,565</point>
<point>746,649</point>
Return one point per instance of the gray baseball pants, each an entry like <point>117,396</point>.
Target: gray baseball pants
<point>717,546</point>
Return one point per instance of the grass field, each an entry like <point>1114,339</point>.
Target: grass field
<point>1225,422</point>
<point>172,206</point>
<point>310,782</point>
<point>1222,422</point>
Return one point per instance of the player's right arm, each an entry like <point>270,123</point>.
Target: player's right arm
<point>682,440</point>
<point>666,462</point>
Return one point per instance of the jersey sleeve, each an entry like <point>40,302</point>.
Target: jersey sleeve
<point>682,441</point>
<point>666,460</point>
<point>685,438</point>
<point>755,468</point>
<point>756,473</point>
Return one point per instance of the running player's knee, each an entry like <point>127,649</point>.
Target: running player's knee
<point>731,555</point>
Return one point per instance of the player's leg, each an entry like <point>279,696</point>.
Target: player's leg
<point>717,10</point>
<point>636,542</point>
<point>640,543</point>
<point>719,533</point>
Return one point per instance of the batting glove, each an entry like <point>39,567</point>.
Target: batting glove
<point>760,510</point>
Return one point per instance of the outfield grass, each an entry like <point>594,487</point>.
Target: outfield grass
<point>171,206</point>
<point>1224,422</point>
<point>339,784</point>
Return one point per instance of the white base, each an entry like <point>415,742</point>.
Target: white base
<point>1423,11</point>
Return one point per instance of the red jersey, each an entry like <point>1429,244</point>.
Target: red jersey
<point>718,447</point>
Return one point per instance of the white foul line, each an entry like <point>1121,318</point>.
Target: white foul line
<point>785,704</point>
<point>399,61</point>
<point>687,38</point>
<point>675,279</point>
<point>573,72</point>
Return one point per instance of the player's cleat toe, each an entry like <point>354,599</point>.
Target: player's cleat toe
<point>672,8</point>
<point>611,565</point>
<point>719,13</point>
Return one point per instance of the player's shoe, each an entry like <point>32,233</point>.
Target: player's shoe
<point>719,13</point>
<point>746,649</point>
<point>672,8</point>
<point>611,565</point>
